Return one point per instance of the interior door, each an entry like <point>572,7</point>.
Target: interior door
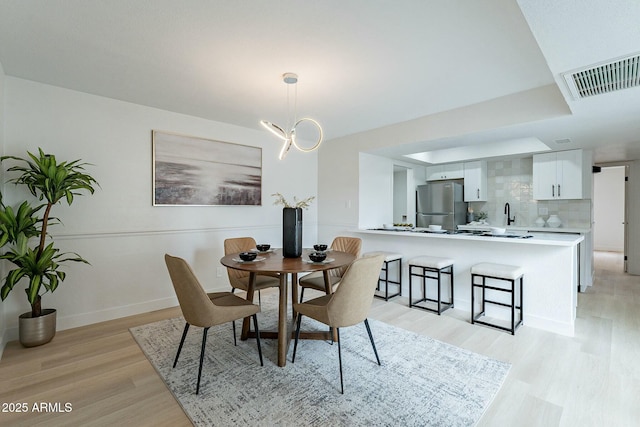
<point>626,216</point>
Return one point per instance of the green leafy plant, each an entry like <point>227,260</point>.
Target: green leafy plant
<point>50,182</point>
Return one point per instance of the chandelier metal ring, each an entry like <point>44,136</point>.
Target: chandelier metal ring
<point>289,136</point>
<point>293,135</point>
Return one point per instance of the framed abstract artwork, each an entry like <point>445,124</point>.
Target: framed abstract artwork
<point>193,171</point>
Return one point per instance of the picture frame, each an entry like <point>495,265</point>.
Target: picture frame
<point>195,171</point>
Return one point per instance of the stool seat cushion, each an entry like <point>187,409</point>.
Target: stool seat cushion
<point>431,262</point>
<point>509,272</point>
<point>388,256</point>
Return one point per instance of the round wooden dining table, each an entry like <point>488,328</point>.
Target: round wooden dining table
<point>274,262</point>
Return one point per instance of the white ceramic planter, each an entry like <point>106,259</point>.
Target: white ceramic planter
<point>554,221</point>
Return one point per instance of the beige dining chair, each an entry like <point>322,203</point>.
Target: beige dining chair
<point>315,280</point>
<point>206,310</point>
<point>240,279</point>
<point>347,306</point>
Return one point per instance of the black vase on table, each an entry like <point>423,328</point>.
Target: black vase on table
<point>291,232</point>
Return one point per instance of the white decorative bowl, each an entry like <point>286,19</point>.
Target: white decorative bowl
<point>498,230</point>
<point>435,227</point>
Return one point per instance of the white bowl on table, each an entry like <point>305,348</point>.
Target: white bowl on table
<point>435,227</point>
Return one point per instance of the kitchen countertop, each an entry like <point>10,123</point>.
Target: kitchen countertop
<point>520,237</point>
<point>534,228</point>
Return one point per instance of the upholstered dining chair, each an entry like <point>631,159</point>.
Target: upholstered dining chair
<point>315,280</point>
<point>347,306</point>
<point>240,279</point>
<point>206,310</point>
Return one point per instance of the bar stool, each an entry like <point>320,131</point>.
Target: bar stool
<point>431,268</point>
<point>507,273</point>
<point>388,259</point>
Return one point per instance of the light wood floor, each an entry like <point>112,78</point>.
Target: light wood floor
<point>592,379</point>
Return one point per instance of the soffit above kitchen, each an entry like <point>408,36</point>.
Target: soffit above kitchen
<point>364,65</point>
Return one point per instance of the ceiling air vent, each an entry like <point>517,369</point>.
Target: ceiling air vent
<point>607,77</point>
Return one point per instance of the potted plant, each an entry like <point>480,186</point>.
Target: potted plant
<point>38,261</point>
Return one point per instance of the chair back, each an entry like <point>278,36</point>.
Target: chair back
<point>233,246</point>
<point>197,308</point>
<point>352,300</point>
<point>350,245</point>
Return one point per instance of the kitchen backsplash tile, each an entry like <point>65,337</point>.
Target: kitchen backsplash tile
<point>511,181</point>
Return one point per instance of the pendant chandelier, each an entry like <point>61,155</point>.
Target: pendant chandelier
<point>289,135</point>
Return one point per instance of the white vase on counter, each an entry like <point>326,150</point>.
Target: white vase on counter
<point>539,222</point>
<point>554,221</point>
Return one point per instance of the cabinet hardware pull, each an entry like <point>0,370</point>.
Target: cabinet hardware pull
<point>553,190</point>
<point>558,190</point>
<point>478,193</point>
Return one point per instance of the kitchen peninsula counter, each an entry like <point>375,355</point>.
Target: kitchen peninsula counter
<point>518,236</point>
<point>550,262</point>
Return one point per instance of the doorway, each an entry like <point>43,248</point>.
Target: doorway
<point>609,211</point>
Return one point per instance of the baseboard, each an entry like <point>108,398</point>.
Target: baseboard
<point>69,322</point>
<point>3,342</point>
<point>561,328</point>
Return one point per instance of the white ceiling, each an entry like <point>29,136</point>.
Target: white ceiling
<point>362,64</point>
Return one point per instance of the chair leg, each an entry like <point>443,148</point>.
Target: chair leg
<point>301,294</point>
<point>233,326</point>
<point>340,361</point>
<point>373,344</point>
<point>204,344</point>
<point>295,344</point>
<point>184,335</point>
<point>255,326</point>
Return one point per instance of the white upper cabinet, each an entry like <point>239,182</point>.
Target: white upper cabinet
<point>562,175</point>
<point>449,171</point>
<point>475,181</point>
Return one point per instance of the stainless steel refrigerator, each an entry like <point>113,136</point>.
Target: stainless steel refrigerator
<point>441,203</point>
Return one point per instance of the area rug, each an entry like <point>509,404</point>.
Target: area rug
<point>422,381</point>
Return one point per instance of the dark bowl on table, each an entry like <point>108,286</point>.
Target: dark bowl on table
<point>263,247</point>
<point>317,256</point>
<point>247,256</point>
<point>320,248</point>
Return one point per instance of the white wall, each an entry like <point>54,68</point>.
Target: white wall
<point>608,209</point>
<point>376,191</point>
<point>117,229</point>
<point>3,327</point>
<point>400,196</point>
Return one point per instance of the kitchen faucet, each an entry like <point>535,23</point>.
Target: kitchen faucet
<point>507,211</point>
